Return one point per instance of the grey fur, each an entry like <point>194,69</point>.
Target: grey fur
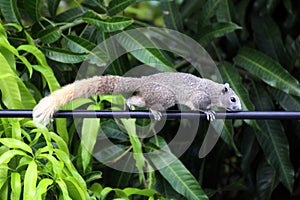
<point>158,92</point>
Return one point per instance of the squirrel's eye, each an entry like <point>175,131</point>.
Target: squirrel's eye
<point>232,99</point>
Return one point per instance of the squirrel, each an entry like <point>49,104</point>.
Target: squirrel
<point>157,92</point>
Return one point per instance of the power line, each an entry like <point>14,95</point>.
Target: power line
<point>275,115</point>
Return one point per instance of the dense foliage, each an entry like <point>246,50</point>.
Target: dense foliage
<point>256,45</point>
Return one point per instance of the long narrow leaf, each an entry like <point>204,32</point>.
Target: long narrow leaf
<point>107,24</point>
<point>43,66</point>
<point>224,14</point>
<point>144,50</point>
<point>286,101</point>
<point>7,156</point>
<point>208,10</point>
<point>10,11</point>
<point>16,144</point>
<point>89,133</point>
<point>269,40</point>
<point>268,70</point>
<point>176,173</point>
<point>130,127</point>
<point>116,6</point>
<point>30,180</point>
<point>63,187</point>
<point>11,96</point>
<point>75,191</point>
<point>79,45</point>
<point>52,6</point>
<point>16,185</point>
<point>49,35</point>
<point>266,180</point>
<point>274,142</point>
<point>42,188</point>
<point>70,168</point>
<point>33,9</point>
<point>63,56</point>
<point>216,30</point>
<point>171,15</point>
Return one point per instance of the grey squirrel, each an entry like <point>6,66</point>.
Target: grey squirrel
<point>158,92</point>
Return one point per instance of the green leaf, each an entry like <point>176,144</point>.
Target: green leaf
<point>225,13</point>
<point>42,188</point>
<point>116,6</point>
<point>43,66</point>
<point>267,70</point>
<point>7,156</point>
<point>135,191</point>
<point>207,11</point>
<point>75,191</point>
<point>16,185</point>
<point>171,15</point>
<point>16,144</point>
<point>27,98</point>
<point>30,180</point>
<point>52,6</point>
<point>274,141</point>
<point>59,142</point>
<point>63,56</point>
<point>176,173</point>
<point>288,102</point>
<point>69,15</point>
<point>112,131</point>
<point>267,37</point>
<point>10,11</point>
<point>11,96</point>
<point>16,130</point>
<point>33,9</point>
<point>112,153</point>
<point>49,35</point>
<point>70,167</point>
<point>129,125</point>
<point>164,188</point>
<point>96,188</point>
<point>249,149</point>
<point>106,24</point>
<point>216,30</point>
<point>89,133</point>
<point>79,44</point>
<point>266,180</point>
<point>63,187</point>
<point>144,50</point>
<point>9,52</point>
<point>92,176</point>
<point>227,136</point>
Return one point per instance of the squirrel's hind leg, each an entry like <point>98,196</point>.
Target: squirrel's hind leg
<point>140,102</point>
<point>135,101</point>
<point>154,96</point>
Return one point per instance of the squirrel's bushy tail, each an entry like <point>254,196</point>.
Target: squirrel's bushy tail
<point>44,110</point>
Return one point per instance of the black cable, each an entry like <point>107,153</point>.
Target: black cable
<point>147,114</point>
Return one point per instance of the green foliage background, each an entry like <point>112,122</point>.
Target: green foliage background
<point>256,45</point>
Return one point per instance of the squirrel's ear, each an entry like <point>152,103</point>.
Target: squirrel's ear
<point>226,87</point>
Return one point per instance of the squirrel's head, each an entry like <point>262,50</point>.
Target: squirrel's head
<point>229,99</point>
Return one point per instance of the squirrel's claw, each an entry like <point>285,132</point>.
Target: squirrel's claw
<point>210,115</point>
<point>156,114</point>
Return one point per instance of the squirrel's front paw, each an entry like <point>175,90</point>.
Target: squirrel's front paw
<point>43,112</point>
